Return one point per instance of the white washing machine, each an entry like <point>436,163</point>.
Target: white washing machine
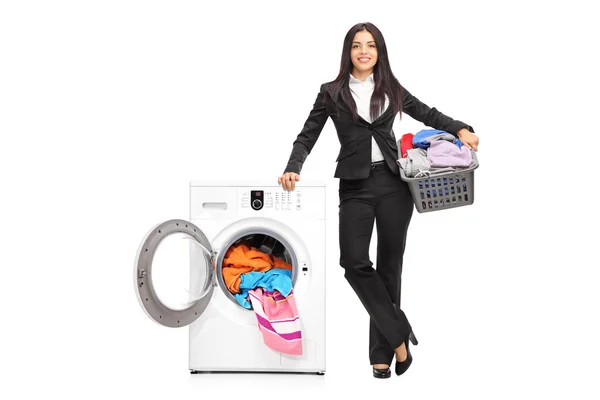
<point>223,335</point>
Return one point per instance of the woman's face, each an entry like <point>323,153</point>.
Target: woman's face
<point>363,52</point>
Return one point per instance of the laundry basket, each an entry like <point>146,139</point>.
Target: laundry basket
<point>443,191</point>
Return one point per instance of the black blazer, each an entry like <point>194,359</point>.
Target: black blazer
<point>354,158</point>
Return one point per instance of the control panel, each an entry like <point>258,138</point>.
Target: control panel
<point>278,200</point>
<point>231,199</point>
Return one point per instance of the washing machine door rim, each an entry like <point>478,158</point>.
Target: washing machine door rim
<point>144,287</point>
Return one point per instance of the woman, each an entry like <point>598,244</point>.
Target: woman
<point>362,103</point>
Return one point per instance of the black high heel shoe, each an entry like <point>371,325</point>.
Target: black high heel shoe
<point>382,372</point>
<point>401,367</point>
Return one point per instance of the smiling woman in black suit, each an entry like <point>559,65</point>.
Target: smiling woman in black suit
<point>362,103</point>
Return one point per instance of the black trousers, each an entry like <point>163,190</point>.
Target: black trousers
<point>385,199</point>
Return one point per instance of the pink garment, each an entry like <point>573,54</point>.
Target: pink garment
<point>278,320</point>
<point>443,153</point>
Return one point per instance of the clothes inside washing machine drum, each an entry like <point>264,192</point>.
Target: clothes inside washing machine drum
<point>240,259</point>
<point>279,280</point>
<point>263,282</point>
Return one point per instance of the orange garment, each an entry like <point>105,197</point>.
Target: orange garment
<point>241,259</point>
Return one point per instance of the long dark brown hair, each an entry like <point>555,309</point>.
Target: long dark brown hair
<point>385,81</point>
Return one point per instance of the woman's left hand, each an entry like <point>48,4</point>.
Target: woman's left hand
<point>468,138</point>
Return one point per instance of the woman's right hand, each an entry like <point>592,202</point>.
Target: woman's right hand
<point>288,180</point>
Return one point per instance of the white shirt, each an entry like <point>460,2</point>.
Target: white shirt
<point>361,92</point>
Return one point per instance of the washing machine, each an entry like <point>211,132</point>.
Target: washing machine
<point>223,335</point>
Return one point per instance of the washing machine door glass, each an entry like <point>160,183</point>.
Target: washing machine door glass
<point>174,273</point>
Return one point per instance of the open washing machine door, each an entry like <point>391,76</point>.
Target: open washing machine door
<point>202,263</point>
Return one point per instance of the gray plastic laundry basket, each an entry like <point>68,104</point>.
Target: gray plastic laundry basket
<point>445,190</point>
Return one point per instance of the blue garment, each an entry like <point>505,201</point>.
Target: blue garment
<point>424,137</point>
<point>274,279</point>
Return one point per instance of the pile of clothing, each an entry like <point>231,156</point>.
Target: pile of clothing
<point>263,282</point>
<point>432,151</point>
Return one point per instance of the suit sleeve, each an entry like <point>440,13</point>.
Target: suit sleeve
<point>431,116</point>
<point>307,138</point>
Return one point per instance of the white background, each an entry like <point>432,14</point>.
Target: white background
<point>108,109</point>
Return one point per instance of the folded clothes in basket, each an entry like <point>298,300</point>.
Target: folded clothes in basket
<point>405,143</point>
<point>416,164</point>
<point>425,137</point>
<point>435,152</point>
<point>442,153</point>
<point>415,161</point>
